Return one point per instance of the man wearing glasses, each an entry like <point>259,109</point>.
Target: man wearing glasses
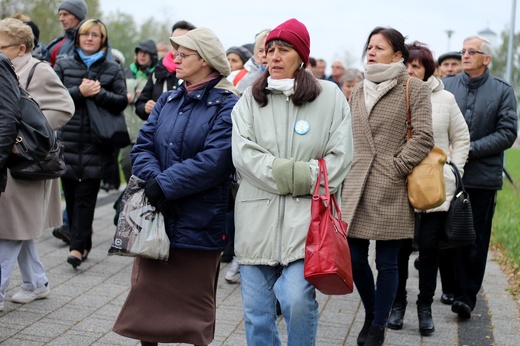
<point>488,104</point>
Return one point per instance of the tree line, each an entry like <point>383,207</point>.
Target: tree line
<point>125,34</point>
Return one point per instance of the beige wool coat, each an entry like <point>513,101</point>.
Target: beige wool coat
<point>28,207</point>
<point>374,196</point>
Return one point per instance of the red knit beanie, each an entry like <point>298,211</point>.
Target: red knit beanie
<point>294,33</point>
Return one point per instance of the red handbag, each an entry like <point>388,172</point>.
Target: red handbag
<point>327,263</point>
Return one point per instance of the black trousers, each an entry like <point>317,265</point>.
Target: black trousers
<point>80,199</point>
<point>429,229</point>
<point>470,260</point>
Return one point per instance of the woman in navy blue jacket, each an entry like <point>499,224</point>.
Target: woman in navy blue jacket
<point>183,153</point>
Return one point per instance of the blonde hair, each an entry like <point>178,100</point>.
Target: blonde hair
<point>18,32</point>
<point>260,37</point>
<point>89,23</point>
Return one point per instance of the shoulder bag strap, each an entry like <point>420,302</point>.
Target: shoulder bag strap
<point>458,179</point>
<point>408,111</point>
<point>31,73</point>
<point>322,174</point>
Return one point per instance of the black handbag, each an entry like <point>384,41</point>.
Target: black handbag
<point>35,137</point>
<point>458,228</point>
<point>51,167</point>
<point>107,128</point>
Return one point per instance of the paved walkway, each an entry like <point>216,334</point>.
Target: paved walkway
<point>84,304</point>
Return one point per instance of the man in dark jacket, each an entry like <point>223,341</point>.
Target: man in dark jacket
<point>71,13</point>
<point>163,78</point>
<point>488,104</point>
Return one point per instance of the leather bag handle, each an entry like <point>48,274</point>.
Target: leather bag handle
<point>408,111</point>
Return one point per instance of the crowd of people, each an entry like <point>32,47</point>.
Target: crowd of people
<point>227,143</point>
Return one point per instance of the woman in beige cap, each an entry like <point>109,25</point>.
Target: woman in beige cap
<point>183,153</point>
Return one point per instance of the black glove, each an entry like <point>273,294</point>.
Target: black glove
<point>153,191</point>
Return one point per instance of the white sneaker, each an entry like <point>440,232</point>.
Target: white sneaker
<point>26,296</point>
<point>233,273</point>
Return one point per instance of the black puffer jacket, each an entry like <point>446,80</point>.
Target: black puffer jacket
<point>154,88</point>
<point>9,113</point>
<point>84,158</point>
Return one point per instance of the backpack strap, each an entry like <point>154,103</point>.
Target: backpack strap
<point>31,73</point>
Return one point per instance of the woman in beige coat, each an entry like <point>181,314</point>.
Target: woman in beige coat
<point>374,193</point>
<point>28,207</point>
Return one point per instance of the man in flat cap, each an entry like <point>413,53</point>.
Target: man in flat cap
<point>449,64</point>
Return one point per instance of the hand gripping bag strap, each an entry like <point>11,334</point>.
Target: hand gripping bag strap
<point>327,263</point>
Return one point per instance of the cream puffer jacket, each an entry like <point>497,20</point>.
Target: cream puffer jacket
<point>451,134</point>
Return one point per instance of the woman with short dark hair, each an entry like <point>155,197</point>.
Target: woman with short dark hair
<point>375,196</point>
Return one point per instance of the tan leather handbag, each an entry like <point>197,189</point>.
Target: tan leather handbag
<point>426,187</point>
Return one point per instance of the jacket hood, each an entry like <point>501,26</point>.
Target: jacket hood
<point>147,46</point>
<point>435,84</point>
<point>225,84</point>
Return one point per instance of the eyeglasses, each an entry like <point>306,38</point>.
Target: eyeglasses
<point>93,34</point>
<point>7,46</point>
<point>183,56</point>
<point>471,52</point>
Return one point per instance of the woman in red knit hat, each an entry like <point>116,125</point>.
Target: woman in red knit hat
<point>282,126</point>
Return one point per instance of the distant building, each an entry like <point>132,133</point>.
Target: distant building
<point>490,35</point>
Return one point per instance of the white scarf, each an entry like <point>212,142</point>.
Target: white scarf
<point>285,85</point>
<point>378,78</point>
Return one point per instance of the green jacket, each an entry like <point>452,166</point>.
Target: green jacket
<point>133,122</point>
<point>271,223</point>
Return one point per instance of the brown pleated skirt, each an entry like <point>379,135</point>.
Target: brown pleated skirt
<point>173,302</point>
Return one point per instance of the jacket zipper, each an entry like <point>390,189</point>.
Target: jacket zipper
<point>282,203</point>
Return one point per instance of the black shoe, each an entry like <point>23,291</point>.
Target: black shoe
<point>416,263</point>
<point>363,334</point>
<point>461,309</point>
<point>74,261</point>
<point>62,232</point>
<point>225,258</point>
<point>376,336</point>
<point>447,298</point>
<point>426,326</point>
<point>395,321</point>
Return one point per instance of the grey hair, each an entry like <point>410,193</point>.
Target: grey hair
<point>485,46</point>
<point>351,75</point>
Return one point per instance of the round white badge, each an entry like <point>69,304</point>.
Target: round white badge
<point>301,127</point>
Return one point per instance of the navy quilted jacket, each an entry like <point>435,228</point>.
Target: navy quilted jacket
<point>186,146</point>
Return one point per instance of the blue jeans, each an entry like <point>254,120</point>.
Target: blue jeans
<point>262,285</point>
<point>376,299</point>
